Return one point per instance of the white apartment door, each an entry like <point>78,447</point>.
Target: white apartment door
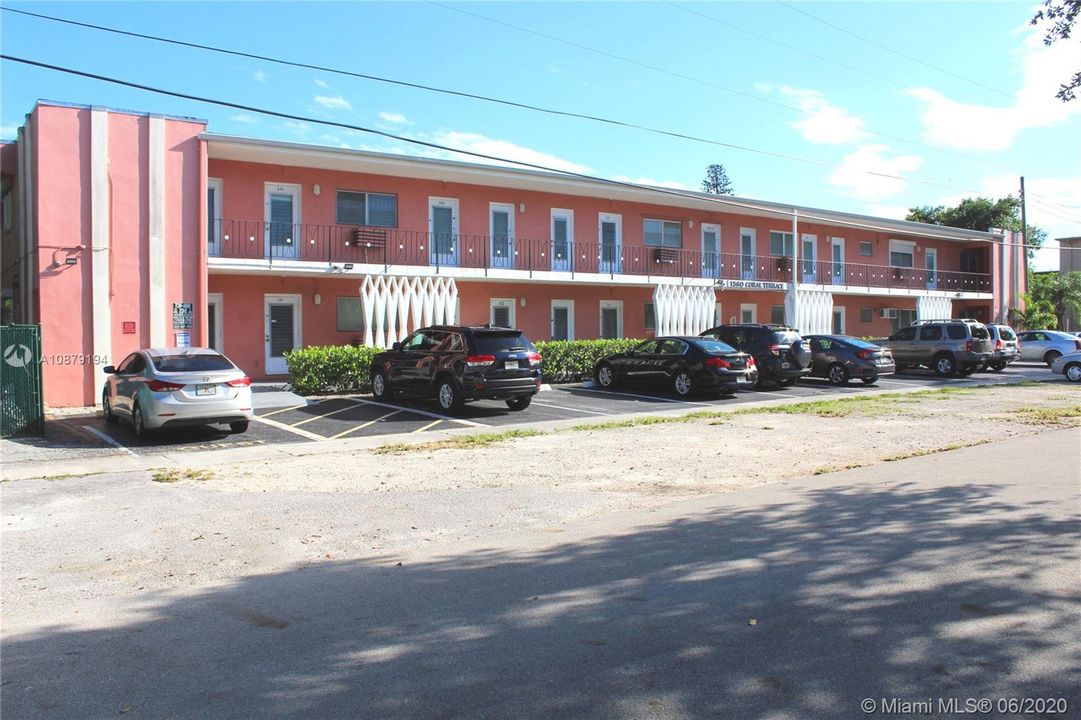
<point>837,258</point>
<point>711,251</point>
<point>443,231</point>
<point>282,314</point>
<point>501,229</point>
<point>282,221</point>
<point>611,240</point>
<point>746,254</point>
<point>562,319</point>
<point>807,261</point>
<point>930,263</point>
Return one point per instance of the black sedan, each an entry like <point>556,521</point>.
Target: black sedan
<point>685,364</point>
<point>839,358</point>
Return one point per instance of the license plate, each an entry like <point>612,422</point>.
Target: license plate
<point>785,366</point>
<point>510,364</point>
<point>206,389</point>
<point>742,380</point>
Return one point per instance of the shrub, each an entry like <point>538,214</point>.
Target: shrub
<point>573,360</point>
<point>330,368</point>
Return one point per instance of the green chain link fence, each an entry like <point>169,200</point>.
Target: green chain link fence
<point>22,409</point>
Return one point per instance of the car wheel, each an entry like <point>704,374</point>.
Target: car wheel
<point>1072,372</point>
<point>107,407</point>
<point>786,383</point>
<point>606,376</point>
<point>870,380</point>
<point>682,383</point>
<point>138,422</point>
<point>945,365</point>
<point>239,427</point>
<point>1051,356</point>
<point>449,397</point>
<point>519,402</point>
<point>381,386</point>
<point>837,374</point>
<point>998,367</point>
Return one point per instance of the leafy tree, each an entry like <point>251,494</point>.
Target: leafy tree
<point>1061,292</point>
<point>1062,14</point>
<point>982,214</point>
<point>1037,315</point>
<point>717,182</point>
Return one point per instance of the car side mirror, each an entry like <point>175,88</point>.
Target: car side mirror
<point>109,369</point>
<point>396,347</point>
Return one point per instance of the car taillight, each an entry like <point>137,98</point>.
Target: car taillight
<point>534,358</point>
<point>241,382</point>
<point>1018,343</point>
<point>479,360</point>
<point>865,354</point>
<point>968,346</point>
<point>775,349</point>
<point>1077,344</point>
<point>159,386</point>
<point>998,345</point>
<point>750,361</point>
<point>716,362</point>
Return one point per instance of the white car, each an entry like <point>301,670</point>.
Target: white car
<point>1068,365</point>
<point>168,387</point>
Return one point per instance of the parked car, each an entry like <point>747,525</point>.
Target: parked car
<point>1005,348</point>
<point>949,347</point>
<point>779,353</point>
<point>1047,345</point>
<point>839,358</point>
<point>168,387</point>
<point>1069,365</point>
<point>457,363</point>
<point>685,364</point>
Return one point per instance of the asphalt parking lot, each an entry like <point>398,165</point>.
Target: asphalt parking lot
<point>320,420</point>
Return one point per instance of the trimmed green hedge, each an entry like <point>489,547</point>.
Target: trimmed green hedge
<point>565,361</point>
<point>347,368</point>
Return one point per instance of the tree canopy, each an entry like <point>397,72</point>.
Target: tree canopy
<point>982,214</point>
<point>1060,293</point>
<point>1062,15</point>
<point>717,182</point>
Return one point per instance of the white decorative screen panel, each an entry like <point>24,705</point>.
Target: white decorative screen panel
<point>683,309</point>
<point>396,306</point>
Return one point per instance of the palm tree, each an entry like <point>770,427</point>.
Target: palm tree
<point>1036,315</point>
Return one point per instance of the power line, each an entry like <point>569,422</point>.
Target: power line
<point>891,50</point>
<point>1054,212</point>
<point>806,215</point>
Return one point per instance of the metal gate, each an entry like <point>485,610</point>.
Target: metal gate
<point>21,405</point>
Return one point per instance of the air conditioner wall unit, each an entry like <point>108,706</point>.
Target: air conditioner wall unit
<point>890,313</point>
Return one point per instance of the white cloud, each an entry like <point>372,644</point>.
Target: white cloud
<point>9,131</point>
<point>333,102</point>
<point>244,118</point>
<point>673,184</point>
<point>260,76</point>
<point>300,129</point>
<point>967,126</point>
<point>823,122</point>
<point>476,142</point>
<point>395,118</point>
<point>892,212</point>
<point>322,83</point>
<point>862,172</point>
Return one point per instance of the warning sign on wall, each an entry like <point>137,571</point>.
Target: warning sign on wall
<point>182,313</point>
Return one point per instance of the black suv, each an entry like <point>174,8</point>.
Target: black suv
<point>455,363</point>
<point>782,356</point>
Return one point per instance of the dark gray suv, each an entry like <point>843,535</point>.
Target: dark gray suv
<point>949,347</point>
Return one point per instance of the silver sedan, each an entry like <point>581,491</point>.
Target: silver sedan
<point>1046,345</point>
<point>168,387</point>
<point>1068,365</point>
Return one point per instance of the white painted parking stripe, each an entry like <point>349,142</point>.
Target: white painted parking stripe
<point>416,411</point>
<point>287,409</point>
<point>111,440</point>
<point>364,425</point>
<point>320,417</point>
<point>578,410</point>
<point>633,395</point>
<point>290,428</point>
<point>427,427</point>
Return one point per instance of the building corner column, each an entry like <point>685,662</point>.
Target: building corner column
<point>156,234</point>
<point>100,244</point>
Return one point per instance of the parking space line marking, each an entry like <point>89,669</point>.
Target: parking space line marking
<point>295,407</point>
<point>111,440</point>
<point>426,427</point>
<point>580,410</point>
<point>416,411</point>
<point>633,395</point>
<point>290,428</point>
<point>320,417</point>
<point>362,425</point>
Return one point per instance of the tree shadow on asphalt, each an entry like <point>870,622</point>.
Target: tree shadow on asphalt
<point>785,610</point>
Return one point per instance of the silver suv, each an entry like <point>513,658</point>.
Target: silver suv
<point>1005,348</point>
<point>949,347</point>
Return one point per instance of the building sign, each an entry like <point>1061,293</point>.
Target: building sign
<point>183,339</point>
<point>182,316</point>
<point>129,327</point>
<point>750,285</point>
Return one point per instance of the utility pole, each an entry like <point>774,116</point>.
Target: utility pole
<point>1024,227</point>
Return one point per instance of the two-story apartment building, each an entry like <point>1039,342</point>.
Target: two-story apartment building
<point>137,230</point>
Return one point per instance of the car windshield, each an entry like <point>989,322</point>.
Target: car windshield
<point>979,332</point>
<point>785,337</point>
<point>714,347</point>
<point>488,343</point>
<point>203,362</point>
<point>1006,333</point>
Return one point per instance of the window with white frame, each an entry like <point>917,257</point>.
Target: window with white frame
<point>365,208</point>
<point>866,249</point>
<point>663,233</point>
<point>611,319</point>
<point>781,243</point>
<point>748,313</point>
<point>213,215</point>
<point>901,253</point>
<point>502,312</point>
<point>776,314</point>
<point>650,317</point>
<point>350,314</point>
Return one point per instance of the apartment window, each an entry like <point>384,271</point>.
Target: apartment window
<point>866,248</point>
<point>781,243</point>
<point>7,212</point>
<point>502,312</point>
<point>373,209</point>
<point>350,314</point>
<point>776,314</point>
<point>651,317</point>
<point>866,315</point>
<point>901,252</point>
<point>663,233</point>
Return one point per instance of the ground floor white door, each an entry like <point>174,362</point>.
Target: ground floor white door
<point>282,314</point>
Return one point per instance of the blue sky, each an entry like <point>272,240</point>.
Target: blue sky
<point>955,98</point>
